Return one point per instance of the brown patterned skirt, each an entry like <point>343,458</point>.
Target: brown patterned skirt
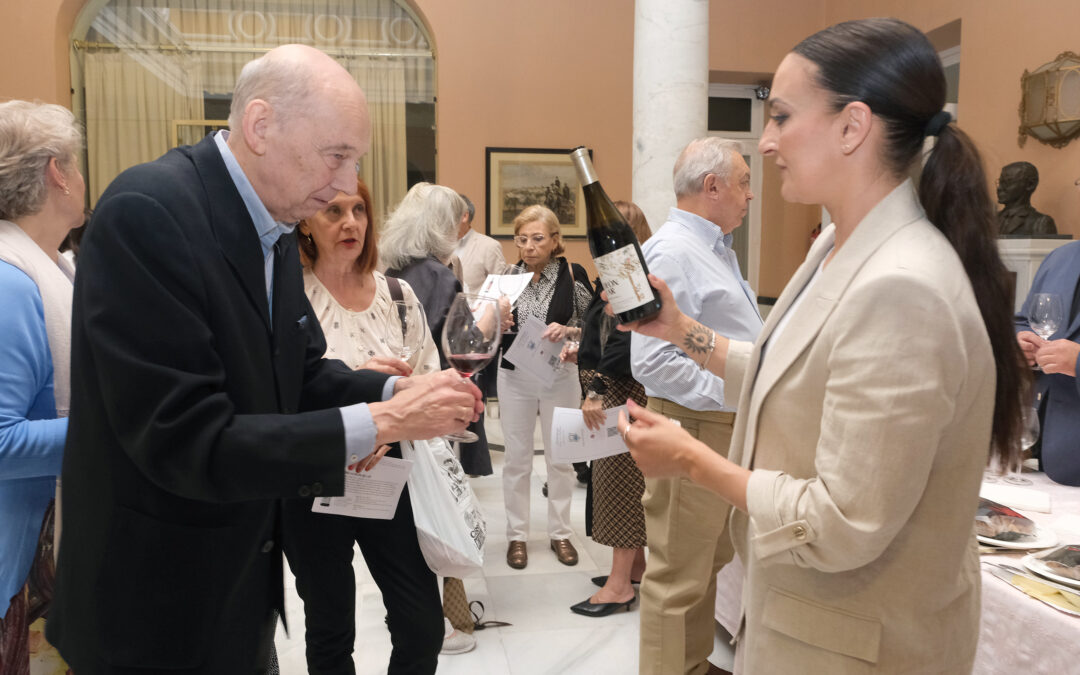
<point>618,517</point>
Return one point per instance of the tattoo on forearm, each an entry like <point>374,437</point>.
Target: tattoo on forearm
<point>697,339</point>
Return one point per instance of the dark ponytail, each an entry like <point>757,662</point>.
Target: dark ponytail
<point>891,67</point>
<point>953,192</point>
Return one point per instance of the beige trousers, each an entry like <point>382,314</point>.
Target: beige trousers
<point>685,527</point>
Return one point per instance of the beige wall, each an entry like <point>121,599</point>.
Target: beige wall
<point>559,73</point>
<point>999,40</point>
<point>34,49</point>
<point>553,74</point>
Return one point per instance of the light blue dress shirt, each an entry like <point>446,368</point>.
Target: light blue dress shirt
<point>694,257</point>
<point>359,426</point>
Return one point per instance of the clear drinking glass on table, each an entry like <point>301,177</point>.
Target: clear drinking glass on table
<point>406,327</point>
<point>470,339</point>
<point>1028,436</point>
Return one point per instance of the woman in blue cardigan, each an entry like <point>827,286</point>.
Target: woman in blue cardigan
<point>42,197</point>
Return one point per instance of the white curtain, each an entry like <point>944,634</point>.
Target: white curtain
<point>173,53</point>
<point>384,167</point>
<point>130,108</point>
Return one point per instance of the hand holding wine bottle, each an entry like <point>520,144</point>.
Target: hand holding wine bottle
<point>615,249</point>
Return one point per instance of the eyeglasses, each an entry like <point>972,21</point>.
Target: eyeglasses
<point>537,240</point>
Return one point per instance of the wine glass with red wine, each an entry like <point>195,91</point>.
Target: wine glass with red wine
<point>470,339</point>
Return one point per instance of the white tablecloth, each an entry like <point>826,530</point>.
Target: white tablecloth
<point>1018,634</point>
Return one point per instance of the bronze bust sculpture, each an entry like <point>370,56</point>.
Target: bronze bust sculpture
<point>1018,217</point>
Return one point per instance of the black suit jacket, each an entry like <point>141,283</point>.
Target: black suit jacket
<point>192,415</point>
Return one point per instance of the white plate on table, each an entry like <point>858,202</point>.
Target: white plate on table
<point>1044,538</point>
<point>1033,562</point>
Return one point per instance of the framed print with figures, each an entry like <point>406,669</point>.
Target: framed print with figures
<point>520,177</point>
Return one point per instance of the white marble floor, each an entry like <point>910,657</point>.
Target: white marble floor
<point>546,637</point>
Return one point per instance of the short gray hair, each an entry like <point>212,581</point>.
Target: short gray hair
<point>32,134</point>
<point>469,207</point>
<point>699,158</point>
<point>424,223</point>
<point>285,84</point>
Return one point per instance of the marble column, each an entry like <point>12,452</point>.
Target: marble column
<point>671,89</point>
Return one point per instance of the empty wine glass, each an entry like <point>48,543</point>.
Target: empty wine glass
<point>509,282</point>
<point>571,339</point>
<point>1028,436</point>
<point>1045,315</point>
<point>470,338</point>
<point>406,327</point>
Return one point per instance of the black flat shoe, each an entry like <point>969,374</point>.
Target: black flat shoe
<point>600,581</point>
<point>586,608</point>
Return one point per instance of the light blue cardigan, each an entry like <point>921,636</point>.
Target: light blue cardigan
<point>31,436</point>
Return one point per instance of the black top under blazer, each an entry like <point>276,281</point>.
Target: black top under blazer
<point>191,417</point>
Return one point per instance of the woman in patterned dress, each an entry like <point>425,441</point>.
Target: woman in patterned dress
<point>618,519</point>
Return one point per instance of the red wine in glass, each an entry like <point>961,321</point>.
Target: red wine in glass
<point>468,364</point>
<point>470,339</point>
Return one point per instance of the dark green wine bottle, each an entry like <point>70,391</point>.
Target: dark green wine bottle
<point>615,249</point>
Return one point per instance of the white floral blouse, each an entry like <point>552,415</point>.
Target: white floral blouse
<point>355,337</point>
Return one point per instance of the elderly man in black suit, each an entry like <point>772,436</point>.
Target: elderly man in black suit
<point>200,397</point>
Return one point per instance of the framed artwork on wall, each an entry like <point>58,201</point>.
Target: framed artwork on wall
<point>520,177</point>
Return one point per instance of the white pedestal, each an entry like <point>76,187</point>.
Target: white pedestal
<point>1023,256</point>
<point>671,93</point>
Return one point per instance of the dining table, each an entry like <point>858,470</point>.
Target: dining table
<point>1017,634</point>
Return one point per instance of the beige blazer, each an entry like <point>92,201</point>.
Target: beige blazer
<point>867,427</point>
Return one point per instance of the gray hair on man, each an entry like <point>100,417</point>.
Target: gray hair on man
<point>285,84</point>
<point>469,207</point>
<point>424,223</point>
<point>698,159</point>
<point>31,135</point>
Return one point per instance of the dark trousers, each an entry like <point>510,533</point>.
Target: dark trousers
<point>319,548</point>
<point>475,457</point>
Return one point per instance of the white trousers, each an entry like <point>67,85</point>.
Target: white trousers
<point>521,396</point>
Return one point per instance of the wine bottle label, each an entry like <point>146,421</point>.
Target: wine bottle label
<point>625,282</point>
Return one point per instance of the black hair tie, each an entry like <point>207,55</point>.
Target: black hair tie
<point>937,123</point>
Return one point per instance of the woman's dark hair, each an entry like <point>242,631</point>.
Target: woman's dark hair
<point>369,254</point>
<point>891,67</point>
<point>74,236</point>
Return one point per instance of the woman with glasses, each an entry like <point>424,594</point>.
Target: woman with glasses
<point>558,292</point>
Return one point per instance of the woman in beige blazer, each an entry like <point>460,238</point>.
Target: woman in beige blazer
<point>882,377</point>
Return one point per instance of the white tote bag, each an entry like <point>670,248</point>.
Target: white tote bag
<point>449,525</point>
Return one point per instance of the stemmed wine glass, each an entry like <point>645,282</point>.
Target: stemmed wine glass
<point>1045,315</point>
<point>406,327</point>
<point>470,338</point>
<point>1029,434</point>
<point>507,285</point>
<point>571,339</point>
